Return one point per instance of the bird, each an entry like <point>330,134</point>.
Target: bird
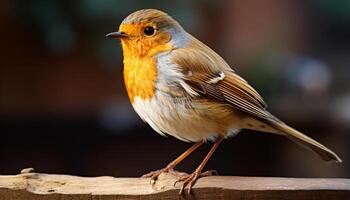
<point>183,88</point>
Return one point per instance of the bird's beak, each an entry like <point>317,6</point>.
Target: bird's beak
<point>117,35</point>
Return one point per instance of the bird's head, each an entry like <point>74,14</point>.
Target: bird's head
<point>149,32</point>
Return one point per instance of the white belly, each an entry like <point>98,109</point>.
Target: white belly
<point>181,119</point>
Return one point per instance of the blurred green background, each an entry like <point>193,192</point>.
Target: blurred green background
<point>64,108</point>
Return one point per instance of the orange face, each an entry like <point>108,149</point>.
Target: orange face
<point>142,44</point>
<point>144,39</point>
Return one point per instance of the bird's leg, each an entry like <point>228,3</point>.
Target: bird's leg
<point>154,174</point>
<point>191,179</point>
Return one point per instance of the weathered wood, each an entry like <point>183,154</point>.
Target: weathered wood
<point>29,185</point>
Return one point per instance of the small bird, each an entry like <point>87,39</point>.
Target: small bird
<point>182,88</point>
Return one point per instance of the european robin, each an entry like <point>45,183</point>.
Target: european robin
<point>182,88</point>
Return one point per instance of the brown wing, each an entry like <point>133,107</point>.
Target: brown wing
<point>209,75</point>
<point>209,80</point>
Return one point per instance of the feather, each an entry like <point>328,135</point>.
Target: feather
<point>211,79</point>
<point>227,86</point>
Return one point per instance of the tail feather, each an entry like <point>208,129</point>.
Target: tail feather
<point>307,142</point>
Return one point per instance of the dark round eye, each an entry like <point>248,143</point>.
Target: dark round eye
<point>149,30</point>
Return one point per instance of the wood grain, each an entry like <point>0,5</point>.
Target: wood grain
<point>29,185</point>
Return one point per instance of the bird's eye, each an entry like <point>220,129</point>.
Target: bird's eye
<point>149,30</point>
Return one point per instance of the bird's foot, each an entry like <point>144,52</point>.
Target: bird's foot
<point>191,179</point>
<point>154,174</point>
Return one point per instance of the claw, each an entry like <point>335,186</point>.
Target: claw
<point>176,182</point>
<point>155,174</point>
<point>191,179</point>
<point>190,185</point>
<point>151,174</point>
<point>181,179</point>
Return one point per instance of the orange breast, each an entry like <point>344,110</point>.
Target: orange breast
<point>140,70</point>
<point>140,74</point>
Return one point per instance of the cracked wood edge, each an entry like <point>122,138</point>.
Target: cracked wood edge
<point>30,185</point>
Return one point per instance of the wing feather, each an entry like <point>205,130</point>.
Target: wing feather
<point>230,88</point>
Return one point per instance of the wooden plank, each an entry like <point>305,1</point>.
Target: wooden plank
<point>29,185</point>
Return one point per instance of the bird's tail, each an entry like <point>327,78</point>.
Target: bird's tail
<point>307,142</point>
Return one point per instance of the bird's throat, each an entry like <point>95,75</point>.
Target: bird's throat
<point>140,74</point>
<point>140,70</point>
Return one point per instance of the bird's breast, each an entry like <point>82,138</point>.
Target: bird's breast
<point>140,75</point>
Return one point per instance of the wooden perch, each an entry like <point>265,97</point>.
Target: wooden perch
<point>29,185</point>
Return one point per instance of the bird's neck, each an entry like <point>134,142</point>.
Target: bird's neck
<point>140,70</point>
<point>140,74</point>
